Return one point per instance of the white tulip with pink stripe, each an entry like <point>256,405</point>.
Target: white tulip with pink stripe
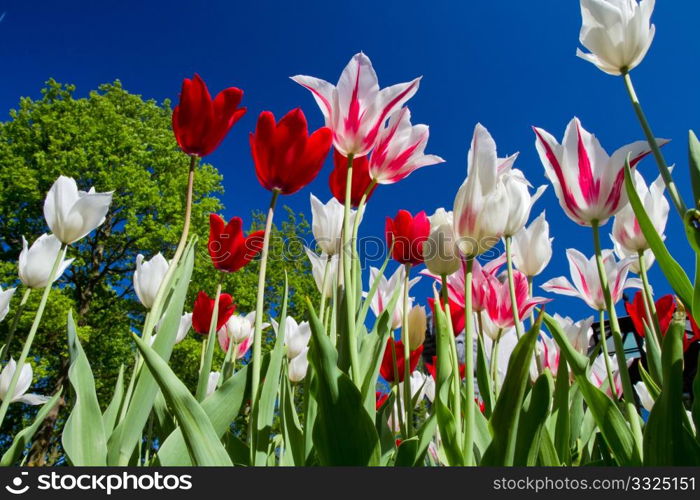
<point>584,273</point>
<point>588,182</point>
<point>498,304</point>
<point>399,150</point>
<point>355,109</point>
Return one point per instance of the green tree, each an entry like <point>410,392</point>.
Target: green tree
<point>114,141</point>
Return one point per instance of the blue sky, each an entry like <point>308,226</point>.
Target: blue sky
<point>508,65</point>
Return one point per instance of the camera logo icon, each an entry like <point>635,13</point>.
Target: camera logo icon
<point>16,488</point>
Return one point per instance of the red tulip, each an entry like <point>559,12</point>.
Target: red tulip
<point>456,314</point>
<point>381,398</point>
<point>200,123</point>
<point>665,307</point>
<point>387,368</point>
<point>286,157</point>
<point>407,234</point>
<point>204,308</point>
<point>360,178</point>
<point>228,248</point>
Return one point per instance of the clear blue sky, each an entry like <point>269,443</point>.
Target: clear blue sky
<point>508,65</point>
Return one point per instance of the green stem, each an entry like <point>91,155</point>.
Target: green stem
<point>397,381</point>
<point>651,139</point>
<point>469,415</point>
<point>456,382</point>
<point>628,391</point>
<point>356,223</point>
<point>606,357</point>
<point>347,251</point>
<point>205,369</point>
<point>494,363</point>
<point>13,326</point>
<point>324,284</point>
<point>649,300</point>
<point>511,288</point>
<point>257,334</point>
<point>32,333</point>
<point>407,357</point>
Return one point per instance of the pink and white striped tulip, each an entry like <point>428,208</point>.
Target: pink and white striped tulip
<point>498,304</point>
<point>355,109</point>
<point>626,232</point>
<point>584,273</point>
<point>599,375</point>
<point>532,247</point>
<point>617,32</point>
<point>399,150</point>
<point>385,292</point>
<point>548,352</point>
<point>481,207</point>
<point>588,182</point>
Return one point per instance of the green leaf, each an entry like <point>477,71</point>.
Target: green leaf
<point>24,437</point>
<point>127,434</point>
<point>560,413</point>
<point>411,452</point>
<point>667,442</point>
<point>83,435</point>
<point>109,417</point>
<point>696,402</point>
<point>293,433</point>
<point>371,356</point>
<point>483,378</point>
<point>534,416</point>
<point>344,433</point>
<point>605,412</point>
<point>264,412</point>
<point>672,270</point>
<point>202,441</point>
<point>506,415</point>
<point>651,385</point>
<point>237,449</point>
<point>387,440</point>
<point>221,407</point>
<point>482,433</point>
<point>548,454</point>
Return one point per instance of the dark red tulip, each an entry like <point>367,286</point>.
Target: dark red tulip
<point>204,309</point>
<point>200,123</point>
<point>432,368</point>
<point>456,314</point>
<point>407,234</point>
<point>228,248</point>
<point>360,178</point>
<point>387,368</point>
<point>286,157</point>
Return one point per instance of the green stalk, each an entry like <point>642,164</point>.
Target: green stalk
<point>394,359</point>
<point>13,326</point>
<point>511,288</point>
<point>649,300</point>
<point>628,391</point>
<point>229,365</point>
<point>205,368</point>
<point>347,252</point>
<point>407,357</point>
<point>356,223</point>
<point>456,382</point>
<point>651,139</point>
<point>32,333</point>
<point>469,415</point>
<point>494,362</point>
<point>606,357</point>
<point>257,334</point>
<point>324,283</point>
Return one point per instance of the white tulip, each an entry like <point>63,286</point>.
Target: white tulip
<point>72,214</point>
<point>148,277</point>
<point>296,336</point>
<point>327,224</point>
<point>182,329</point>
<point>212,382</point>
<point>532,247</point>
<point>520,201</point>
<point>618,33</point>
<point>324,267</point>
<point>481,207</point>
<point>239,328</point>
<point>36,262</point>
<point>440,251</point>
<point>627,236</point>
<point>298,366</point>
<point>644,396</point>
<point>385,293</point>
<point>579,333</point>
<point>23,383</point>
<point>5,297</point>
